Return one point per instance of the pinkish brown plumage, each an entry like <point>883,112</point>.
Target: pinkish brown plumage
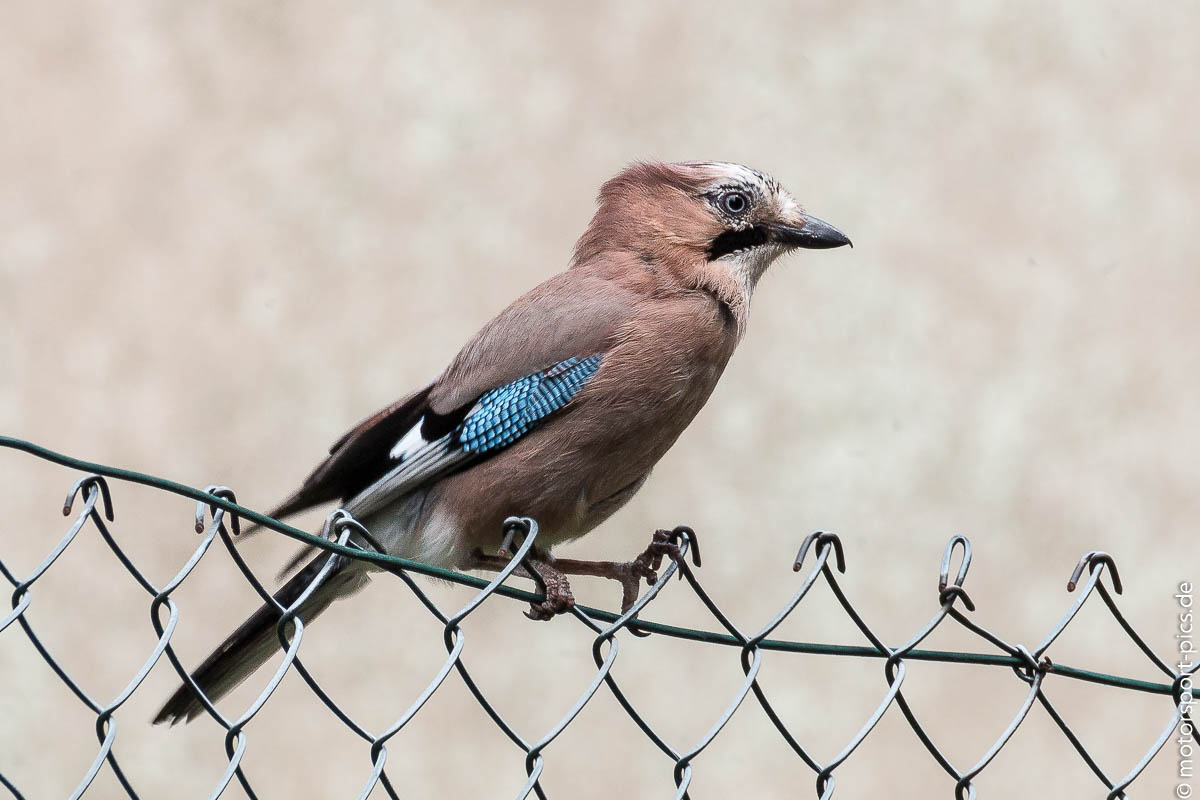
<point>560,406</point>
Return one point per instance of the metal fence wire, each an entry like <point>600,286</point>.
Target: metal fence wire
<point>820,558</point>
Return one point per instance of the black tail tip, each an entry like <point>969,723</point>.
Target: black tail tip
<point>182,707</point>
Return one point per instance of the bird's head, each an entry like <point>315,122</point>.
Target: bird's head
<point>712,225</point>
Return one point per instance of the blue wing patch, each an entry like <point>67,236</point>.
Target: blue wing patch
<point>508,412</point>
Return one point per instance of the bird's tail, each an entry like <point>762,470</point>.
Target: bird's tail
<point>249,647</point>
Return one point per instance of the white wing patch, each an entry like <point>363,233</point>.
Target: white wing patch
<point>421,461</point>
<point>409,443</point>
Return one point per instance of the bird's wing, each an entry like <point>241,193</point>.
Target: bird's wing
<point>442,444</point>
<point>524,365</point>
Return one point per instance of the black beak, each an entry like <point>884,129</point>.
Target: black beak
<point>811,233</point>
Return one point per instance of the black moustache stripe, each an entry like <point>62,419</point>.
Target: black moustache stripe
<point>732,241</point>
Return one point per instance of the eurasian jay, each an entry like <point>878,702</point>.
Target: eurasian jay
<point>561,405</point>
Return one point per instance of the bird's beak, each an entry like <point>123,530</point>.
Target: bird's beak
<point>809,232</point>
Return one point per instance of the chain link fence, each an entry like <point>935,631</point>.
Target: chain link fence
<point>820,559</point>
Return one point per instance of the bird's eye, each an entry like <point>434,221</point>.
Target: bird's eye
<point>734,202</point>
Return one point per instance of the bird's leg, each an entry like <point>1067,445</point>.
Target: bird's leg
<point>550,580</point>
<point>630,573</point>
<point>627,573</point>
<point>552,574</point>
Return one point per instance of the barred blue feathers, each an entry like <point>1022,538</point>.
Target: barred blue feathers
<point>508,412</point>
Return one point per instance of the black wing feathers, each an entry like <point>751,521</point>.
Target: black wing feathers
<point>358,458</point>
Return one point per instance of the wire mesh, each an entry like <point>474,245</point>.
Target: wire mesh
<point>820,558</point>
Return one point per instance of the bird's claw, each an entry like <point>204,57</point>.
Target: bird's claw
<point>550,608</point>
<point>646,565</point>
<point>629,575</point>
<point>556,587</point>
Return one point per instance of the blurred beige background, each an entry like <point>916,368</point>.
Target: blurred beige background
<point>229,231</point>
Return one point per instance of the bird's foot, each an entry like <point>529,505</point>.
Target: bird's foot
<point>555,586</point>
<point>551,573</point>
<point>627,573</point>
<point>665,545</point>
<point>542,570</point>
<point>630,573</point>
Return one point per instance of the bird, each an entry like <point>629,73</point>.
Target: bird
<point>559,407</point>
